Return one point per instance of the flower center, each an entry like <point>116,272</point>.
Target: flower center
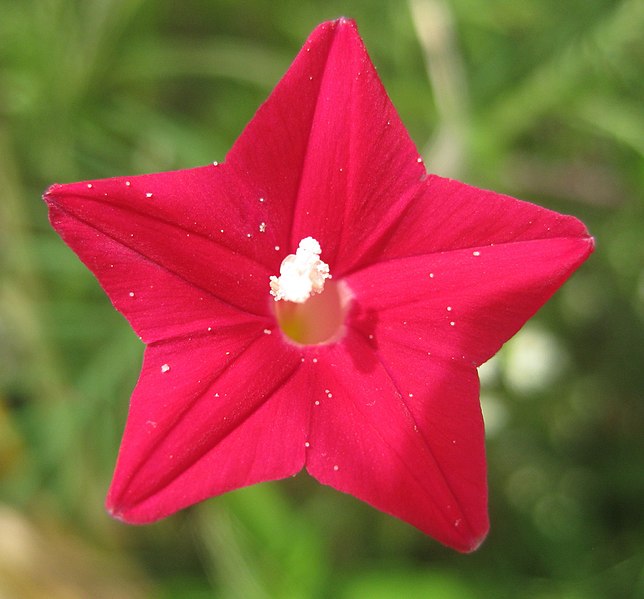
<point>310,308</point>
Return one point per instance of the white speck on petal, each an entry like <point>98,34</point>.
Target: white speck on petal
<point>131,294</point>
<point>261,199</point>
<point>451,324</point>
<point>301,274</point>
<point>215,163</point>
<point>317,403</point>
<point>277,248</point>
<point>148,195</point>
<point>476,253</point>
<point>262,227</point>
<point>165,368</point>
<point>449,308</point>
<point>314,360</point>
<point>307,444</point>
<point>127,183</point>
<point>89,186</point>
<point>267,331</point>
<point>431,275</point>
<point>336,468</point>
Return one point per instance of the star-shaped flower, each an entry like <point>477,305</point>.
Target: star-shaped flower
<point>316,301</point>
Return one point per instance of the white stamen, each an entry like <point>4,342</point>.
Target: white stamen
<point>301,274</point>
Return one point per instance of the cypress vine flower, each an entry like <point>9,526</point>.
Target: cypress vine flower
<point>316,301</point>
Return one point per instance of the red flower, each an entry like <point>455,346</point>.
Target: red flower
<point>379,398</point>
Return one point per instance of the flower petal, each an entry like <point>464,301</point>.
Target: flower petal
<point>208,415</point>
<point>341,157</point>
<point>164,260</point>
<point>448,215</point>
<point>464,304</point>
<point>407,436</point>
<point>409,443</point>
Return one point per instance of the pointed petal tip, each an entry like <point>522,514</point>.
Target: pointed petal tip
<point>587,246</point>
<point>116,515</point>
<point>113,511</point>
<point>124,514</point>
<point>471,544</point>
<point>346,22</point>
<point>464,536</point>
<point>125,518</point>
<point>336,24</point>
<point>50,191</point>
<point>119,508</point>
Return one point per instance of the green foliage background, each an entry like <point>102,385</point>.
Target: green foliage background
<point>541,99</point>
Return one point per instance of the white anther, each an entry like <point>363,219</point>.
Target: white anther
<point>301,274</point>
